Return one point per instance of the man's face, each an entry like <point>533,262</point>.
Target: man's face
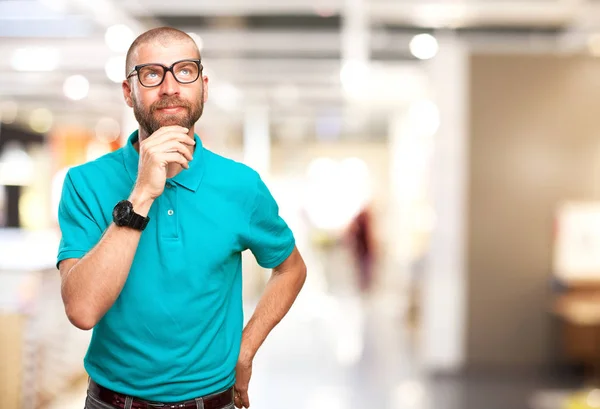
<point>170,103</point>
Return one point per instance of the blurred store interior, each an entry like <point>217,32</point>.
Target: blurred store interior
<point>460,139</point>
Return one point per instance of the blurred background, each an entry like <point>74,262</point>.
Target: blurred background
<point>438,161</point>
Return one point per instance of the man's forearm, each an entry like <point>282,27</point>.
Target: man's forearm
<point>94,283</point>
<point>279,295</point>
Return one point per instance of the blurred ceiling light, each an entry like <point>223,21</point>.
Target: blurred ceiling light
<point>594,45</point>
<point>114,68</point>
<point>8,111</point>
<point>320,167</point>
<point>16,166</point>
<point>40,120</point>
<point>76,87</point>
<point>107,130</point>
<point>35,59</point>
<point>226,96</point>
<point>424,117</point>
<point>118,37</point>
<point>198,40</point>
<point>424,46</point>
<point>356,169</point>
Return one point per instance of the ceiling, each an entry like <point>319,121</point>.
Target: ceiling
<point>284,55</point>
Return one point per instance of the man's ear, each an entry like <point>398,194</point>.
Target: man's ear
<point>205,85</point>
<point>127,93</point>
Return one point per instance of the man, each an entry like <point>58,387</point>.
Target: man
<point>150,255</point>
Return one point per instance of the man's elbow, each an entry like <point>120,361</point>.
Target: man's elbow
<point>80,318</point>
<point>301,274</point>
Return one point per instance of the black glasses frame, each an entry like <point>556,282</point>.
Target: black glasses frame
<point>137,68</point>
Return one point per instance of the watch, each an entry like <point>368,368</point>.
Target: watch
<point>124,216</point>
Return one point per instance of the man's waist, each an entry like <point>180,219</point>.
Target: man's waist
<point>159,383</point>
<point>216,400</point>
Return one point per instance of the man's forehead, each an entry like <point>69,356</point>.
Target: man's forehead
<point>166,54</point>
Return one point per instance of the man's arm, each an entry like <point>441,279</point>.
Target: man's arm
<point>91,285</point>
<point>280,293</point>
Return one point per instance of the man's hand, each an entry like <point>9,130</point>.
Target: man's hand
<point>170,144</point>
<point>243,372</point>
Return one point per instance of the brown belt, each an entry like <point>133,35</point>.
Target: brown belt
<point>216,401</point>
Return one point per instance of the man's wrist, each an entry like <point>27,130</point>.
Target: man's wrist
<point>246,355</point>
<point>141,203</point>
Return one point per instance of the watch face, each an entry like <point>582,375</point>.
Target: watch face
<point>122,212</point>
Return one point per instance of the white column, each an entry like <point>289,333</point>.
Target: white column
<point>406,183</point>
<point>444,286</point>
<point>355,31</point>
<point>257,139</point>
<point>355,51</point>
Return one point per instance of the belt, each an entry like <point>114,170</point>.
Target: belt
<point>215,401</point>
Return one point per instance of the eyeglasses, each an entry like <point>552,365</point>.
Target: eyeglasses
<point>152,75</point>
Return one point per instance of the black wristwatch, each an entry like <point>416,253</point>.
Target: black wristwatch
<point>124,216</point>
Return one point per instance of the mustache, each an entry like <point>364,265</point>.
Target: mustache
<point>169,102</point>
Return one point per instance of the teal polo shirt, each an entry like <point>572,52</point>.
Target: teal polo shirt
<point>174,332</point>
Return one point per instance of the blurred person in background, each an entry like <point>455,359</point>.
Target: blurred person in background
<point>362,247</point>
<point>150,255</point>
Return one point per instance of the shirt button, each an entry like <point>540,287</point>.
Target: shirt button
<point>170,212</point>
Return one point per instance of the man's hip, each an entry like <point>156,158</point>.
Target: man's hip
<point>99,397</point>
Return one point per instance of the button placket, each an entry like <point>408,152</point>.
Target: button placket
<point>168,218</point>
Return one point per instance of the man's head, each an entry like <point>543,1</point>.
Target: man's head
<point>171,102</point>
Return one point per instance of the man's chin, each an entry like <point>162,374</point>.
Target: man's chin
<point>170,120</point>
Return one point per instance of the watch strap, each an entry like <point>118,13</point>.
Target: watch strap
<point>137,221</point>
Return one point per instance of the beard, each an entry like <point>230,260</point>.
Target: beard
<point>151,119</point>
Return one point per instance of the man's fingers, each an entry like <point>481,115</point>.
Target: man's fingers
<point>240,398</point>
<point>177,158</point>
<point>163,135</point>
<point>237,401</point>
<point>176,146</point>
<point>179,137</point>
<point>245,399</point>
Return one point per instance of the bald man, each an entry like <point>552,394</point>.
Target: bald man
<point>150,256</point>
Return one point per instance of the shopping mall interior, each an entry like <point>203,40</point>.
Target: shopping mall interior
<point>457,138</point>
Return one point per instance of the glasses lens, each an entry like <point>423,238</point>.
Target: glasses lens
<point>186,71</point>
<point>151,75</point>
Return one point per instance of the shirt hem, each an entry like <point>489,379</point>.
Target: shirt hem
<point>65,254</point>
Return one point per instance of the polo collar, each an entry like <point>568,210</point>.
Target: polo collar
<point>187,178</point>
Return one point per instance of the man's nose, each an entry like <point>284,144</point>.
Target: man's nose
<point>170,86</point>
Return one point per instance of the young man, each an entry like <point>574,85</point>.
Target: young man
<point>150,255</point>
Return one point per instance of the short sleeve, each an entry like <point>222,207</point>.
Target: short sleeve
<point>269,237</point>
<point>80,232</point>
